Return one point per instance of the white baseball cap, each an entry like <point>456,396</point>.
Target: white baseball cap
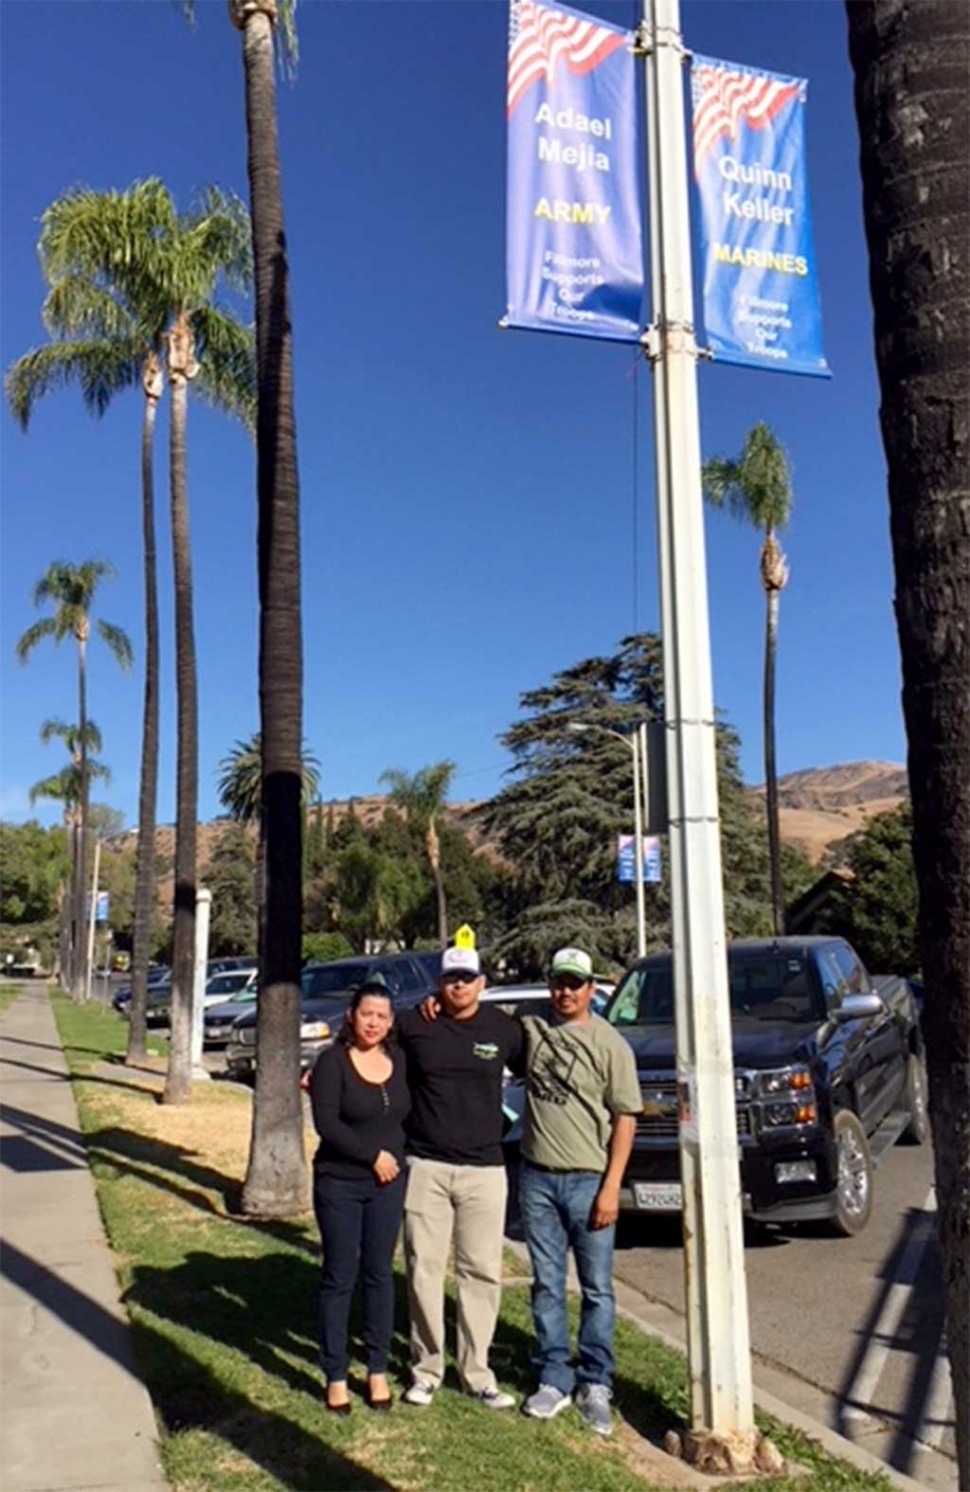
<point>572,961</point>
<point>460,961</point>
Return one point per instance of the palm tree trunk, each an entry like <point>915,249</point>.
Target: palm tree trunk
<point>434,860</point>
<point>910,63</point>
<point>178,1083</point>
<point>78,940</point>
<point>276,1180</point>
<point>145,854</point>
<point>771,770</point>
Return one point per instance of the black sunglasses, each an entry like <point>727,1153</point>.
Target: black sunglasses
<point>568,981</point>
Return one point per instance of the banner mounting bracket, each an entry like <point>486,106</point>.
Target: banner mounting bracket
<point>679,337</point>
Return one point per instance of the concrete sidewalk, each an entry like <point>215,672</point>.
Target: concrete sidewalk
<point>76,1415</point>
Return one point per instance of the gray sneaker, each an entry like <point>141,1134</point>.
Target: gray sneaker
<point>593,1403</point>
<point>546,1402</point>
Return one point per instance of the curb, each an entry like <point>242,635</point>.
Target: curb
<point>630,1305</point>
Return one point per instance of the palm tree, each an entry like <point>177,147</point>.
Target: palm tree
<point>240,790</point>
<point>107,316</point>
<point>163,268</point>
<point>71,590</point>
<point>421,796</point>
<point>65,787</point>
<point>276,1178</point>
<point>757,487</point>
<point>910,64</point>
<point>241,780</point>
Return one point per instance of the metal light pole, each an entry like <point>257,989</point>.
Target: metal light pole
<point>717,1307</point>
<point>89,961</point>
<point>633,743</point>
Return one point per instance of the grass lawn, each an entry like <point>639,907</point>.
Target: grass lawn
<point>224,1322</point>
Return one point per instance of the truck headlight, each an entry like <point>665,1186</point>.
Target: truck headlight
<point>314,1031</point>
<point>796,1080</point>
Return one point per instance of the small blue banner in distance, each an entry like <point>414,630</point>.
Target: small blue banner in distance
<point>626,868</point>
<point>574,242</point>
<point>761,296</point>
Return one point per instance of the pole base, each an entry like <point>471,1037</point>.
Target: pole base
<point>740,1454</point>
<point>201,1075</point>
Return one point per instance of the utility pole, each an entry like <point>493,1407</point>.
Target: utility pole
<point>717,1306</point>
<point>203,909</point>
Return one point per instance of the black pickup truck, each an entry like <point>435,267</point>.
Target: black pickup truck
<point>828,1073</point>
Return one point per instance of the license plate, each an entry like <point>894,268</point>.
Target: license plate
<point>658,1196</point>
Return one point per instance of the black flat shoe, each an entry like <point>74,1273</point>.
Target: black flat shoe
<point>381,1404</point>
<point>337,1408</point>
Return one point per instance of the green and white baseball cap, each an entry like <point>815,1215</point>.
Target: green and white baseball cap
<point>572,961</point>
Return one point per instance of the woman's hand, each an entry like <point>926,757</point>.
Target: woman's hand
<point>386,1167</point>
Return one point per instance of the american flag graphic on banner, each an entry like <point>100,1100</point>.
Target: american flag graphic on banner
<point>723,99</point>
<point>542,39</point>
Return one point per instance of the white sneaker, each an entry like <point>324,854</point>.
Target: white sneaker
<point>494,1398</point>
<point>419,1395</point>
<point>546,1402</point>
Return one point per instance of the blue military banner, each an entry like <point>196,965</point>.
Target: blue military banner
<point>574,225</point>
<point>626,863</point>
<point>761,297</point>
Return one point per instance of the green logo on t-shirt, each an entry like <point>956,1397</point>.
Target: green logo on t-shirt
<point>487,1050</point>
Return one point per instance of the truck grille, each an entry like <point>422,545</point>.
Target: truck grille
<point>658,1119</point>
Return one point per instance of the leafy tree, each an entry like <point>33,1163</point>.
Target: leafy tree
<point>910,64</point>
<point>70,590</point>
<point>571,794</point>
<point>322,947</point>
<point>35,865</point>
<point>123,267</point>
<point>421,795</point>
<point>233,924</point>
<point>756,487</point>
<point>877,910</point>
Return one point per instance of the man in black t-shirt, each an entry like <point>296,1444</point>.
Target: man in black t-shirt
<point>456,1176</point>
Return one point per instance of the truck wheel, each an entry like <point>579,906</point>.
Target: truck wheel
<point>917,1132</point>
<point>854,1185</point>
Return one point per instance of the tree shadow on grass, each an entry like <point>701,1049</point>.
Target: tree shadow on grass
<point>176,1170</point>
<point>187,1396</point>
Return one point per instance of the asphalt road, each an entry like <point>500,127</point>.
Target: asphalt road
<point>861,1318</point>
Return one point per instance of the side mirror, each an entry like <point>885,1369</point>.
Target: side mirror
<point>859,1008</point>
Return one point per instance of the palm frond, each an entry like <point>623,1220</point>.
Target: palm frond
<point>227,363</point>
<point>289,49</point>
<point>62,730</point>
<point>221,230</point>
<point>99,368</point>
<point>77,306</point>
<point>118,641</point>
<point>757,486</point>
<point>33,635</point>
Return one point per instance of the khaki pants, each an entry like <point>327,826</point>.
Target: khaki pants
<point>468,1202</point>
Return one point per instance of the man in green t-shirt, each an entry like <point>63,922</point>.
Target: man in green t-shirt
<point>582,1098</point>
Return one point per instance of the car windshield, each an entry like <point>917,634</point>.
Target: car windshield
<point>765,986</point>
<point>228,984</point>
<point>331,979</point>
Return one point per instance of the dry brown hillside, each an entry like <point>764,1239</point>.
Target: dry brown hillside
<point>822,806</point>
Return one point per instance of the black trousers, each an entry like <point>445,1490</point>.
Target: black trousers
<point>359,1221</point>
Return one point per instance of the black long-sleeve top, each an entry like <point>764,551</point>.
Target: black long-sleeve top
<point>354,1118</point>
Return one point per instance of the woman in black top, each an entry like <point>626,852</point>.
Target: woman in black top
<point>360,1101</point>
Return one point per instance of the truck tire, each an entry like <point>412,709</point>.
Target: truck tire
<point>917,1132</point>
<point>853,1189</point>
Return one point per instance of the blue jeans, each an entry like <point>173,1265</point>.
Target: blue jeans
<point>556,1207</point>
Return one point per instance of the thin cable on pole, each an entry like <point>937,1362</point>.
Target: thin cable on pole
<point>635,501</point>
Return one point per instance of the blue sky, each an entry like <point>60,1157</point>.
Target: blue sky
<point>468,494</point>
